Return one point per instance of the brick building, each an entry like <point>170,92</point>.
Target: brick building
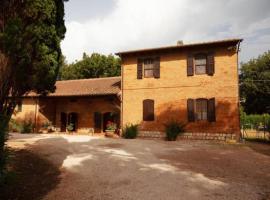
<point>196,84</point>
<point>193,83</point>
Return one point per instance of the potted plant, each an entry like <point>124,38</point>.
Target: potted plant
<point>110,129</point>
<point>70,127</point>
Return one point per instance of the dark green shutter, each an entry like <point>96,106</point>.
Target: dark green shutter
<point>210,66</point>
<point>191,110</point>
<point>97,120</point>
<point>139,68</point>
<point>211,110</point>
<point>157,67</point>
<point>190,67</point>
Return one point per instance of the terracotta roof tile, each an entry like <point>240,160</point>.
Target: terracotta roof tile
<point>87,87</point>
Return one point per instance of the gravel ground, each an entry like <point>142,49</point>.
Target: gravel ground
<point>101,168</point>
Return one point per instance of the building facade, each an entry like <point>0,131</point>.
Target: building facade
<point>87,104</point>
<point>196,84</point>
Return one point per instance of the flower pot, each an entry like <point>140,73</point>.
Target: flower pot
<point>109,133</point>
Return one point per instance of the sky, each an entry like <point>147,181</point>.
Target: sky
<point>110,26</point>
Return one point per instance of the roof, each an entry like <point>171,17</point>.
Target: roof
<point>86,87</point>
<point>215,42</point>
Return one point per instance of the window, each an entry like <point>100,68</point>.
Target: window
<point>201,109</point>
<point>148,110</point>
<point>200,64</point>
<point>148,68</point>
<point>19,106</point>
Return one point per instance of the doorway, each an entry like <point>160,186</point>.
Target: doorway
<point>110,117</point>
<point>73,120</point>
<point>63,122</point>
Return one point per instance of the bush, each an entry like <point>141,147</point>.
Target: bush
<point>27,126</point>
<point>173,129</point>
<point>254,121</point>
<point>130,131</point>
<point>14,126</point>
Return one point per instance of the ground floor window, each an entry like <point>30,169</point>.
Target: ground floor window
<point>201,109</point>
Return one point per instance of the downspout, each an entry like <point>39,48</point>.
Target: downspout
<point>122,95</point>
<point>238,84</point>
<point>36,102</point>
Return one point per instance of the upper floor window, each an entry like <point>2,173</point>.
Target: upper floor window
<point>200,64</point>
<point>148,67</point>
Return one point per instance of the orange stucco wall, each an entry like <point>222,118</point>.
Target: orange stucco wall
<point>49,110</point>
<point>171,91</point>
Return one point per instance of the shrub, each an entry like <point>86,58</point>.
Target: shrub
<point>14,126</point>
<point>27,126</point>
<point>70,127</point>
<point>130,131</point>
<point>173,129</point>
<point>254,121</point>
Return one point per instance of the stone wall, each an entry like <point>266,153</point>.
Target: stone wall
<point>191,136</point>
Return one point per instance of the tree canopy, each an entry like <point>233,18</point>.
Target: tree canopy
<point>255,85</point>
<point>93,66</point>
<point>30,53</point>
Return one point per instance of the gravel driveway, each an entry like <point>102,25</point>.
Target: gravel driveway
<point>100,168</point>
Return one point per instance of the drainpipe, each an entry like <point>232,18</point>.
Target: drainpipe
<point>36,103</point>
<point>237,51</point>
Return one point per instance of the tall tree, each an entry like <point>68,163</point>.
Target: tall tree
<point>255,85</point>
<point>93,66</point>
<point>30,53</point>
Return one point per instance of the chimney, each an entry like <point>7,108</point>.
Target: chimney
<point>179,43</point>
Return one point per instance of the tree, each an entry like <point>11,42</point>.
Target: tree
<point>93,66</point>
<point>30,53</point>
<point>255,85</point>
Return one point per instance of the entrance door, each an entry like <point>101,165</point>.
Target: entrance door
<point>110,117</point>
<point>63,122</point>
<point>73,119</point>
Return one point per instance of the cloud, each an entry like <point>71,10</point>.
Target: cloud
<point>133,24</point>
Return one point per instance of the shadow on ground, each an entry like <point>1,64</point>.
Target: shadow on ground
<point>30,176</point>
<point>139,169</point>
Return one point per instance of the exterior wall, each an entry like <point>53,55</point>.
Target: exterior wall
<point>49,110</point>
<point>171,91</point>
<point>85,108</point>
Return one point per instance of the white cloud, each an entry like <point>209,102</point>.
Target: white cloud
<point>149,23</point>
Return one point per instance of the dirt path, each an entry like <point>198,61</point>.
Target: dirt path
<point>99,168</point>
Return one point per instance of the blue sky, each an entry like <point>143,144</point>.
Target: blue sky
<point>109,26</point>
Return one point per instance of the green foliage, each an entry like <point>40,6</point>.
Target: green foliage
<point>31,41</point>
<point>93,66</point>
<point>70,127</point>
<point>27,126</point>
<point>130,131</point>
<point>30,53</point>
<point>255,85</point>
<point>173,129</point>
<point>254,121</point>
